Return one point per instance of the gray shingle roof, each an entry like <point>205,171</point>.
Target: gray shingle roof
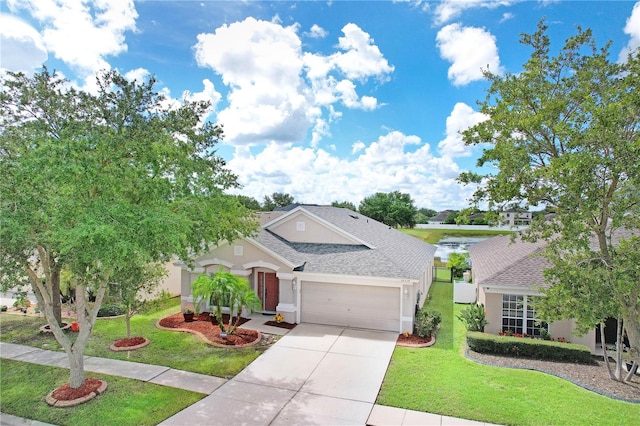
<point>395,254</point>
<point>497,261</point>
<point>500,262</point>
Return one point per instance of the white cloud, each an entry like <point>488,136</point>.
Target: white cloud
<point>81,34</point>
<point>422,5</point>
<point>357,147</point>
<point>507,16</point>
<point>277,92</point>
<point>470,50</point>
<point>22,46</point>
<point>394,161</point>
<point>317,32</point>
<point>448,10</point>
<point>138,74</point>
<point>208,94</point>
<point>362,58</point>
<point>461,118</point>
<point>261,62</point>
<point>633,30</point>
<point>320,129</point>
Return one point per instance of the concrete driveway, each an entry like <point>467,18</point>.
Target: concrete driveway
<point>314,375</point>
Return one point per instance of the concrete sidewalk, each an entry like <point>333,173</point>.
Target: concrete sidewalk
<point>315,375</point>
<point>132,370</point>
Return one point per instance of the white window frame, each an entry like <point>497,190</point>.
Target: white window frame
<point>519,316</point>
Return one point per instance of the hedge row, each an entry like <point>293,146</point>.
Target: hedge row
<point>110,311</point>
<point>528,348</point>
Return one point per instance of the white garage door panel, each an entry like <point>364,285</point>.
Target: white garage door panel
<point>371,307</point>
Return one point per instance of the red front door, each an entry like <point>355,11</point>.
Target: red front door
<point>268,290</point>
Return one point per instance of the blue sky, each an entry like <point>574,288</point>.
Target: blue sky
<point>327,101</point>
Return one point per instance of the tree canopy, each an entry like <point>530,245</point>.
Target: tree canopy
<point>345,205</point>
<point>394,209</point>
<point>98,183</point>
<point>564,133</point>
<point>277,199</point>
<point>249,202</point>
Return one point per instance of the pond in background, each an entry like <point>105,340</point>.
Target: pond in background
<point>449,245</point>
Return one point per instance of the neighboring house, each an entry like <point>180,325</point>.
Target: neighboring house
<point>516,218</point>
<point>442,216</point>
<point>170,284</point>
<point>327,265</point>
<point>507,276</point>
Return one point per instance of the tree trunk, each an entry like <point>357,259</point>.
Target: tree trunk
<point>127,320</point>
<point>619,349</point>
<point>76,367</point>
<point>604,353</point>
<point>631,372</point>
<point>632,326</point>
<point>55,294</point>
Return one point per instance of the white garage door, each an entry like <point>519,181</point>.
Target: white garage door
<point>357,306</point>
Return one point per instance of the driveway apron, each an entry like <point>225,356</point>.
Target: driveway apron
<point>314,375</point>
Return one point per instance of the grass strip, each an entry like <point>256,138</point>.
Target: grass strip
<point>126,401</point>
<point>441,380</point>
<point>182,351</point>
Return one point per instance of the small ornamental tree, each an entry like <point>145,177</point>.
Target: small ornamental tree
<point>134,288</point>
<point>97,184</point>
<point>458,262</point>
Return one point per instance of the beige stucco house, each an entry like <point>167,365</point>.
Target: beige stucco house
<point>507,275</point>
<point>327,265</point>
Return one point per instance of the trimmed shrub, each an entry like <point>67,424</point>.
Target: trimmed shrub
<point>427,322</point>
<point>110,311</point>
<point>522,347</point>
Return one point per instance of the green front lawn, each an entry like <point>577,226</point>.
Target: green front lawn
<point>182,351</point>
<point>126,401</point>
<point>441,380</point>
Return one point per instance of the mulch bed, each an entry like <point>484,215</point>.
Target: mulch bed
<point>283,324</point>
<point>132,341</point>
<point>129,344</point>
<point>208,330</point>
<point>415,341</point>
<point>66,396</point>
<point>592,377</point>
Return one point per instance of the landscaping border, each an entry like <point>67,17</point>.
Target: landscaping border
<point>115,348</point>
<point>207,341</point>
<point>431,342</point>
<point>73,402</point>
<point>470,357</point>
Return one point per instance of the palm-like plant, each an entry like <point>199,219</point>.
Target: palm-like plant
<point>244,297</point>
<point>224,289</point>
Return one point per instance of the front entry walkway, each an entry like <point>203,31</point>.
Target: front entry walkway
<point>314,375</point>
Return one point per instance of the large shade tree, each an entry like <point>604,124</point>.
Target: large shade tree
<point>392,208</point>
<point>277,200</point>
<point>565,133</point>
<point>99,183</point>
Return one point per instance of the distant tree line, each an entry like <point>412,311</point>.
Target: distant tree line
<point>395,209</point>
